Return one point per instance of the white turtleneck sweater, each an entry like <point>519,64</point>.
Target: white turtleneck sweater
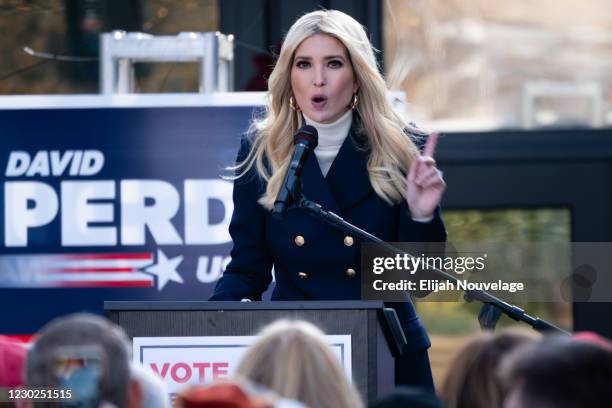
<point>331,138</point>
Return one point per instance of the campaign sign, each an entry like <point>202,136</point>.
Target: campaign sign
<point>182,361</point>
<point>112,204</point>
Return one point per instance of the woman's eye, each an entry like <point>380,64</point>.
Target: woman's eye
<point>302,64</point>
<point>335,64</point>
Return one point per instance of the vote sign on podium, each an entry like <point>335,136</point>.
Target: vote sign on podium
<point>183,361</point>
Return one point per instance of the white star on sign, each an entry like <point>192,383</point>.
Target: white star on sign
<point>165,269</point>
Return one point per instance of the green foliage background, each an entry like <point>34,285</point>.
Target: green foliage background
<point>502,225</point>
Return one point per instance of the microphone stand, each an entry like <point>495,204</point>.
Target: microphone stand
<point>492,305</point>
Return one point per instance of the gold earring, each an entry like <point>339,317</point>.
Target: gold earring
<point>354,101</point>
<point>292,104</point>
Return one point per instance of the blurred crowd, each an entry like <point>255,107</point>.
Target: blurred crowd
<point>292,365</point>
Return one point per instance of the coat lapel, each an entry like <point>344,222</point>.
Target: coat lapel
<point>348,176</point>
<point>347,181</point>
<point>314,186</point>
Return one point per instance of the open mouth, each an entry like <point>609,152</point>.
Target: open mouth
<point>319,100</point>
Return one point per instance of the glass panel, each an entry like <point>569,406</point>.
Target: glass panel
<point>480,64</point>
<point>449,324</point>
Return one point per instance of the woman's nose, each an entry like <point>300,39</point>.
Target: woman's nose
<point>319,78</point>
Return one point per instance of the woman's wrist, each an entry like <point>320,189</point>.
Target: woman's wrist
<point>420,215</point>
<point>422,219</point>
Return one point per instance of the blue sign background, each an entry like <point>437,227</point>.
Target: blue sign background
<point>169,144</point>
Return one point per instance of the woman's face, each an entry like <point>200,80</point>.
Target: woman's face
<point>322,78</point>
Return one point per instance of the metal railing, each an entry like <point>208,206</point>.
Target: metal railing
<point>120,50</point>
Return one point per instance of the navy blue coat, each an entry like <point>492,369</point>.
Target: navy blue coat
<point>322,267</point>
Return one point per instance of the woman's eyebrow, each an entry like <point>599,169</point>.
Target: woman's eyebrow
<point>328,57</point>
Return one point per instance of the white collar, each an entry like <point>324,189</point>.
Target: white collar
<point>332,135</point>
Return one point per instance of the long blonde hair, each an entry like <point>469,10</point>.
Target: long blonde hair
<point>292,358</point>
<point>390,150</point>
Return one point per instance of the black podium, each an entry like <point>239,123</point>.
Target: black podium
<point>375,333</point>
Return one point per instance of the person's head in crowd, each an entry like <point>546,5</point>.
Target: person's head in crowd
<point>12,357</point>
<point>223,395</point>
<point>87,354</point>
<point>558,372</point>
<point>471,380</point>
<point>232,394</point>
<point>293,359</point>
<point>154,392</point>
<point>593,338</point>
<point>409,397</point>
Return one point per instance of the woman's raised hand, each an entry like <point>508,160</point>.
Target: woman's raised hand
<point>425,184</point>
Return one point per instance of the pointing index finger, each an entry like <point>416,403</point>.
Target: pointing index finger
<point>430,146</point>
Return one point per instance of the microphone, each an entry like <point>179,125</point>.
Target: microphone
<point>305,140</point>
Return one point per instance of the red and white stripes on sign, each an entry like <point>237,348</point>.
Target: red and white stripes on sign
<point>84,270</point>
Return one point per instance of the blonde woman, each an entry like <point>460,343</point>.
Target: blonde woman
<point>366,168</point>
<point>293,359</point>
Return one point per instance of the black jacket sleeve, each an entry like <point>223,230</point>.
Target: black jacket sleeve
<point>249,272</point>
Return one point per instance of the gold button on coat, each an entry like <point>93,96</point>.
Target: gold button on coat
<point>350,272</point>
<point>348,240</point>
<point>299,240</point>
<point>302,275</point>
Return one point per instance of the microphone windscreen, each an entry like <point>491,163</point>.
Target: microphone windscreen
<point>308,135</point>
